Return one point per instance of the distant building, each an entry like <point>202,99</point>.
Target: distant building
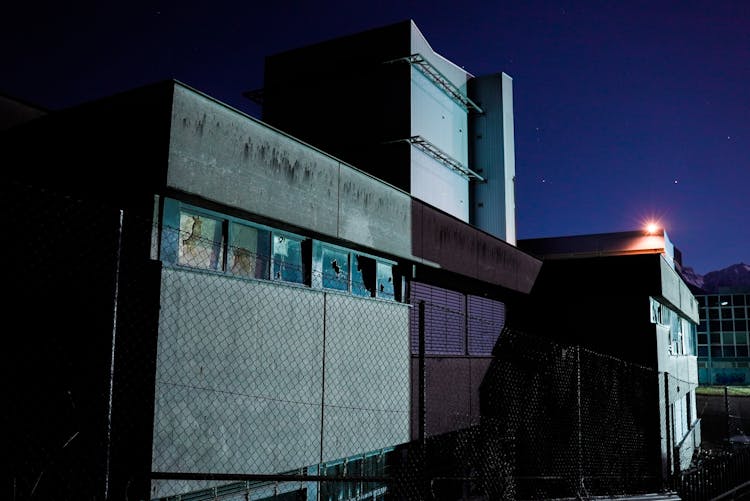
<point>619,294</point>
<point>722,339</point>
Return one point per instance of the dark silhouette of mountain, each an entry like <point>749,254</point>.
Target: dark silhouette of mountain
<point>735,278</point>
<point>732,279</point>
<point>693,280</point>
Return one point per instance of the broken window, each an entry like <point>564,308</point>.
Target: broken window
<point>199,238</point>
<point>201,242</point>
<point>363,276</point>
<point>287,262</point>
<point>335,268</point>
<point>385,284</point>
<point>249,250</point>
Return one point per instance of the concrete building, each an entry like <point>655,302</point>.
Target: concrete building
<point>722,339</point>
<point>218,248</point>
<point>223,295</point>
<point>385,101</point>
<point>619,294</point>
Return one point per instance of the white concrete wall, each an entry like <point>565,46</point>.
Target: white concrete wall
<point>440,120</point>
<point>439,186</point>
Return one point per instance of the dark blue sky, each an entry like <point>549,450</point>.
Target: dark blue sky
<point>623,110</point>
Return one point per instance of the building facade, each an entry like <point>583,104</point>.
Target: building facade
<point>722,339</point>
<point>242,307</point>
<point>620,294</point>
<point>385,101</point>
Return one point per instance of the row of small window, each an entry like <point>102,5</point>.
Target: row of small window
<point>739,337</point>
<point>681,330</point>
<point>374,464</point>
<point>723,325</point>
<point>724,300</point>
<point>724,365</point>
<point>725,312</point>
<point>723,351</point>
<point>201,239</point>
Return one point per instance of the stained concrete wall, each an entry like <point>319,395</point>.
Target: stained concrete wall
<point>241,369</point>
<point>224,156</point>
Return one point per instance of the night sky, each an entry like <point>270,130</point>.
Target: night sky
<point>624,111</point>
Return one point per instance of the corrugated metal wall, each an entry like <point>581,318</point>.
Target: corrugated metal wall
<point>455,323</point>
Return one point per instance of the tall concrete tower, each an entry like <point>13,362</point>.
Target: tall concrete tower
<point>384,101</point>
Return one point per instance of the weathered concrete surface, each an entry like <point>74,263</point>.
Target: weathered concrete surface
<point>241,366</point>
<point>221,155</point>
<point>366,375</point>
<point>239,375</point>
<point>373,214</point>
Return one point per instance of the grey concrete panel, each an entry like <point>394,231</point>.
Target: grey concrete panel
<point>670,283</point>
<point>239,375</point>
<point>366,375</point>
<point>219,154</point>
<point>674,290</point>
<point>374,214</point>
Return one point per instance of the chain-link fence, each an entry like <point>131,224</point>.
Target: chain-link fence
<point>234,374</point>
<point>725,414</point>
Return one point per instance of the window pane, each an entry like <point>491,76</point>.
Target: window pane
<point>741,337</point>
<point>714,326</point>
<point>713,300</point>
<point>249,250</point>
<point>727,325</point>
<point>702,339</point>
<point>335,269</point>
<point>713,313</point>
<point>740,299</point>
<point>385,281</point>
<point>703,351</point>
<point>716,351</point>
<point>739,312</point>
<point>201,242</point>
<point>727,337</point>
<point>729,350</point>
<point>287,259</point>
<point>363,276</point>
<point>741,351</point>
